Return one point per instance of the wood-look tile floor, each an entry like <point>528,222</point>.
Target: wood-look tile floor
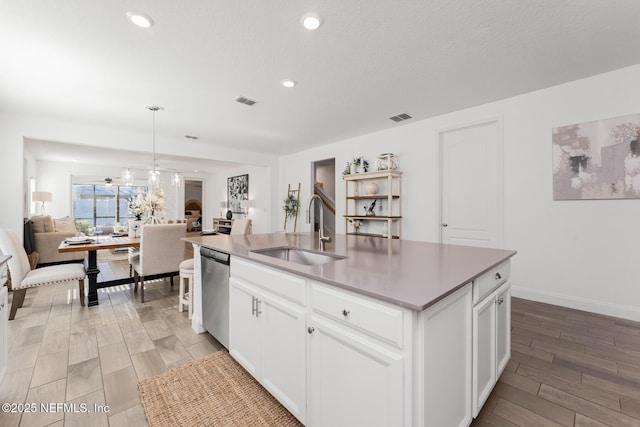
<point>567,368</point>
<point>62,352</point>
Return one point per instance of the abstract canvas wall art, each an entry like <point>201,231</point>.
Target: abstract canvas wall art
<point>597,160</point>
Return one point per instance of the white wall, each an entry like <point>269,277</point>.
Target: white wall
<point>260,195</point>
<point>581,254</point>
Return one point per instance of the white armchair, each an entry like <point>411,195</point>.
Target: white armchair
<point>22,277</point>
<point>161,252</point>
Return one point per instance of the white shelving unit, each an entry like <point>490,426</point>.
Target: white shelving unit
<point>386,221</point>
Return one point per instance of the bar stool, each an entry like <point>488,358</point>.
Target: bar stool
<point>186,274</point>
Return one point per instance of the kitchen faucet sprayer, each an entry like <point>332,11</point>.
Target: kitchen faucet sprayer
<point>322,239</point>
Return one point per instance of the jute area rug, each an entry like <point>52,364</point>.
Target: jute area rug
<point>212,391</point>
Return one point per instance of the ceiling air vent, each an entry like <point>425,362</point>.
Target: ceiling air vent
<point>243,100</point>
<point>400,117</point>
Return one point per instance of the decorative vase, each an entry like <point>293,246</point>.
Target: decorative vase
<point>370,188</point>
<point>356,230</point>
<point>360,169</point>
<point>229,214</point>
<point>352,168</point>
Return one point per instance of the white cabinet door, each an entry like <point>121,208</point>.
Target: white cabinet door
<point>484,351</point>
<point>267,337</point>
<point>244,339</point>
<point>352,381</point>
<point>491,342</point>
<point>503,328</point>
<point>284,352</point>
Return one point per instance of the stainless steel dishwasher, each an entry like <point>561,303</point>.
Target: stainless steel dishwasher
<point>215,294</point>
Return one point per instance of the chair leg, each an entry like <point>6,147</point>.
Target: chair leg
<point>142,289</point>
<point>81,284</point>
<point>135,281</point>
<point>18,300</point>
<point>171,279</point>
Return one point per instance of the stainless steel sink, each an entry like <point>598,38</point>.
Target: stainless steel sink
<point>299,256</point>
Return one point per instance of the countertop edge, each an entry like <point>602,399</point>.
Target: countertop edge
<point>297,270</point>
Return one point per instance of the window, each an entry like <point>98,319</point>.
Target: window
<point>105,205</point>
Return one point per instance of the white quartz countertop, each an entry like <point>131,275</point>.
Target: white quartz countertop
<point>404,272</point>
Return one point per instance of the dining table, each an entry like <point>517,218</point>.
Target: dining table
<point>92,245</point>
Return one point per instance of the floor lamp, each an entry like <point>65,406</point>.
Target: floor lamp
<point>41,196</point>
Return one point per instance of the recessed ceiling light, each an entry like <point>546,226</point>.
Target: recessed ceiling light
<point>195,170</point>
<point>311,21</point>
<point>140,19</point>
<point>288,83</point>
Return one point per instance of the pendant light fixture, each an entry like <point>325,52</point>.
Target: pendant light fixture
<point>127,177</point>
<point>154,175</point>
<point>176,181</point>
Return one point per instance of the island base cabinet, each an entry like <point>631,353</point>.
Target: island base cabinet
<point>4,318</point>
<point>352,381</point>
<point>267,338</point>
<point>443,363</point>
<point>491,342</point>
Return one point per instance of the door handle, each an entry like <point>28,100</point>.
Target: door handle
<point>253,306</point>
<point>444,224</point>
<point>258,312</point>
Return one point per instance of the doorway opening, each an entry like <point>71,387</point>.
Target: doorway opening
<point>193,211</point>
<point>324,185</point>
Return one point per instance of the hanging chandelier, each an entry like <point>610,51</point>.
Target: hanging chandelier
<point>154,174</point>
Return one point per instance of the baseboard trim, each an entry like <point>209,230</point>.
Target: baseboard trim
<point>616,310</point>
<point>196,324</point>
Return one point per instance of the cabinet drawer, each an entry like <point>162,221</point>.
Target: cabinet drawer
<point>493,278</point>
<point>373,318</point>
<point>288,286</point>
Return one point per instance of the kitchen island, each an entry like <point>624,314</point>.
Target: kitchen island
<point>383,332</point>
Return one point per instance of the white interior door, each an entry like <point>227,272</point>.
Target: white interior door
<point>471,189</point>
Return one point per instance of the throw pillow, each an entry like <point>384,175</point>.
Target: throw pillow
<point>42,223</point>
<point>66,225</point>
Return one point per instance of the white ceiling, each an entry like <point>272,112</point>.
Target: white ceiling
<point>82,60</point>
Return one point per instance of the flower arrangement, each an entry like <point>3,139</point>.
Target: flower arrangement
<point>290,206</point>
<point>155,202</point>
<point>136,206</point>
<point>152,203</point>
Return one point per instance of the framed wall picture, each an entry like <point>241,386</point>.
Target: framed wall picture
<point>597,160</point>
<point>237,191</point>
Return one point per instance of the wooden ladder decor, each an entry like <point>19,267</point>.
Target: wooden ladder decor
<point>292,200</point>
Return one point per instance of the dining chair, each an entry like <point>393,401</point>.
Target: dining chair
<point>241,226</point>
<point>161,252</point>
<point>22,277</point>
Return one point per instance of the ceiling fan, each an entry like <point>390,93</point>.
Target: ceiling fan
<point>108,181</point>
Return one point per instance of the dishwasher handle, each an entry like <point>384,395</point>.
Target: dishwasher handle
<point>221,257</point>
